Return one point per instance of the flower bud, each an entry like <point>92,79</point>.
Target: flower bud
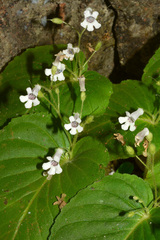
<point>40,94</point>
<point>57,20</point>
<point>57,91</point>
<point>53,70</point>
<point>130,150</point>
<point>89,119</point>
<point>82,83</point>
<point>83,96</point>
<point>98,46</point>
<point>152,149</point>
<point>158,83</point>
<point>149,137</point>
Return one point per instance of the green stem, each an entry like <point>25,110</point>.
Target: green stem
<point>89,58</point>
<point>58,112</point>
<point>143,163</point>
<point>79,45</point>
<point>58,102</point>
<point>73,144</point>
<point>148,165</point>
<point>72,27</point>
<point>81,108</point>
<point>80,36</point>
<point>69,70</point>
<point>158,117</point>
<point>51,104</point>
<point>154,180</point>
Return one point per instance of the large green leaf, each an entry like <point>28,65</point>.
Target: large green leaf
<point>26,198</point>
<point>127,96</point>
<point>106,210</point>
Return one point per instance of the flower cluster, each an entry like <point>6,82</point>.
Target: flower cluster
<point>56,73</point>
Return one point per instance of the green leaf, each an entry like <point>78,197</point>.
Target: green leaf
<point>129,95</point>
<point>22,72</point>
<point>126,167</point>
<point>26,198</point>
<point>106,210</point>
<point>155,215</point>
<point>156,178</point>
<point>152,70</point>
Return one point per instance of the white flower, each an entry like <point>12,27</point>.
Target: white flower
<point>59,73</point>
<point>70,51</point>
<point>129,120</point>
<point>74,124</point>
<point>53,164</point>
<point>140,136</point>
<point>90,20</point>
<point>31,98</point>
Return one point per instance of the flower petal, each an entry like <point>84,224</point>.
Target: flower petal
<point>28,104</point>
<point>36,89</point>
<point>67,126</point>
<point>78,120</point>
<point>58,169</point>
<point>122,119</point>
<point>46,166</point>
<point>71,119</point>
<point>69,45</point>
<point>60,76</point>
<point>73,131</point>
<point>49,158</point>
<point>132,127</point>
<point>23,98</point>
<point>65,51</point>
<point>125,126</point>
<point>87,12</point>
<point>55,78</point>
<point>29,90</point>
<point>52,171</point>
<point>90,27</point>
<point>137,113</point>
<point>96,24</point>
<point>79,128</point>
<point>84,24</point>
<point>76,49</point>
<point>48,72</point>
<point>95,14</point>
<point>36,102</point>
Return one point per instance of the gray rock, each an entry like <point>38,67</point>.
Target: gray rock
<point>23,25</point>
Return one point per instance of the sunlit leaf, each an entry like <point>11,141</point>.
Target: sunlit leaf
<point>106,210</point>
